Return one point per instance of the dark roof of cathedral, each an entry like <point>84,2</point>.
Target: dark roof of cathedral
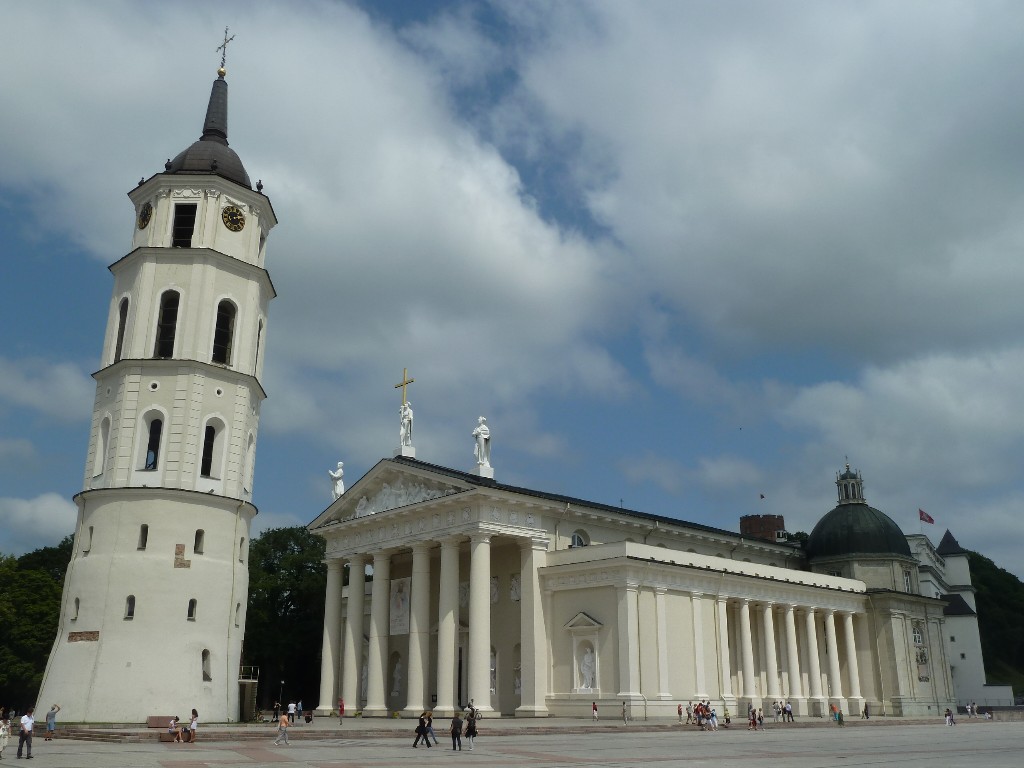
<point>950,546</point>
<point>491,483</point>
<point>856,528</point>
<point>211,154</point>
<point>956,606</point>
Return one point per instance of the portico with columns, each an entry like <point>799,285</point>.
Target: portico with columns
<point>462,589</point>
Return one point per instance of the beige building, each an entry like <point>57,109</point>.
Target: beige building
<point>460,589</point>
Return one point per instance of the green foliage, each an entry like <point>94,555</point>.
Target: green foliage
<point>1000,599</point>
<point>29,612</point>
<point>284,624</point>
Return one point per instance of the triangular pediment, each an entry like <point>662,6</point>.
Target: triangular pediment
<point>583,621</point>
<point>388,485</point>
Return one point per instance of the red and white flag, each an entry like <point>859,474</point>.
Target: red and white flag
<point>925,517</point>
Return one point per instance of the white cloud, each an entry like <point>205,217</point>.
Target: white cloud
<point>58,390</point>
<point>28,524</point>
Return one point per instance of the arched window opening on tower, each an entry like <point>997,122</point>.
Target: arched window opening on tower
<point>122,321</point>
<point>184,225</point>
<point>74,616</point>
<point>206,666</point>
<point>241,550</point>
<point>153,444</point>
<point>143,536</point>
<point>87,545</point>
<point>224,332</point>
<point>129,608</point>
<point>209,441</point>
<point>166,325</point>
<point>100,458</point>
<point>238,612</point>
<point>256,357</point>
<point>192,609</point>
<point>200,538</point>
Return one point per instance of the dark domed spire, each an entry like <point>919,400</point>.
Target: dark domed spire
<point>211,154</point>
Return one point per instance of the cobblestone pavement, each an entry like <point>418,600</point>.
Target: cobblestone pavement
<point>983,744</point>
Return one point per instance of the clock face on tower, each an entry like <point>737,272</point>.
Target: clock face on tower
<point>145,215</point>
<point>233,218</point>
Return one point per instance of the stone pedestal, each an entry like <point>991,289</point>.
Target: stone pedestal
<point>481,471</point>
<point>405,450</point>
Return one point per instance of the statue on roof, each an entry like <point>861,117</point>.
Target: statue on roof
<point>405,430</point>
<point>482,447</point>
<point>338,479</point>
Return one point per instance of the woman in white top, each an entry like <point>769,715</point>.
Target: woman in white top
<point>193,726</point>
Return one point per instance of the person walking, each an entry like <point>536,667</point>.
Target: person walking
<point>51,722</point>
<point>282,730</point>
<point>421,732</point>
<point>593,709</point>
<point>456,730</point>
<point>623,713</point>
<point>471,728</point>
<point>291,711</point>
<point>5,732</point>
<point>25,734</point>
<point>430,726</point>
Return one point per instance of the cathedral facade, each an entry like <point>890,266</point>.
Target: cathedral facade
<point>529,603</point>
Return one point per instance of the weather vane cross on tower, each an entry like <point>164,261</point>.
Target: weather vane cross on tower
<point>223,48</point>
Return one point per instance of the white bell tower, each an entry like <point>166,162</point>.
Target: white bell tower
<point>154,600</point>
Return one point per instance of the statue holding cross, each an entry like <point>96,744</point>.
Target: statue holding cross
<point>405,412</point>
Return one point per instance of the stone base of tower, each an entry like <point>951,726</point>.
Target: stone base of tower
<point>152,619</point>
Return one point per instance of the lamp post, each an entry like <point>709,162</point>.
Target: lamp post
<point>280,694</point>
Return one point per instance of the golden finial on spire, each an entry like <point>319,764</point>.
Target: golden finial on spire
<point>223,48</point>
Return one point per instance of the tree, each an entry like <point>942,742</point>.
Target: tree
<point>29,613</point>
<point>284,623</point>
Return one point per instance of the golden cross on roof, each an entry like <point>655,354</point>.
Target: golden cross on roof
<point>405,382</point>
<point>223,47</point>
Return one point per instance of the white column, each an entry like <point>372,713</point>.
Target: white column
<point>447,622</point>
<point>792,655</point>
<point>353,645</point>
<point>835,682</point>
<point>851,657</point>
<point>480,621</point>
<point>697,611</point>
<point>747,652</point>
<point>533,642</point>
<point>663,649</point>
<point>722,619</point>
<point>629,642</point>
<point>419,628</point>
<point>813,664</point>
<point>332,638</point>
<point>771,661</point>
<point>380,631</point>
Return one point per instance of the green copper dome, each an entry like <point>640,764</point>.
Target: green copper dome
<point>854,528</point>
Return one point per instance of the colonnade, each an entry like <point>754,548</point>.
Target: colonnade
<point>345,638</point>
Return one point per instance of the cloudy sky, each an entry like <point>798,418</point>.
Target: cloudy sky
<point>680,254</point>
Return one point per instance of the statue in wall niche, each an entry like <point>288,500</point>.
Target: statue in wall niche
<point>338,480</point>
<point>515,588</point>
<point>587,668</point>
<point>396,678</point>
<point>405,430</point>
<point>517,679</point>
<point>494,590</point>
<point>494,672</point>
<point>482,447</point>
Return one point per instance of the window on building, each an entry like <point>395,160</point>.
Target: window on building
<point>918,635</point>
<point>963,655</point>
<point>88,542</point>
<point>256,358</point>
<point>192,609</point>
<point>206,666</point>
<point>153,444</point>
<point>184,225</point>
<point>209,440</point>
<point>129,607</point>
<point>166,325</point>
<point>74,616</point>
<point>100,459</point>
<point>241,550</point>
<point>122,321</point>
<point>200,537</point>
<point>952,638</point>
<point>579,539</point>
<point>224,333</point>
<point>238,612</point>
<point>143,536</point>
